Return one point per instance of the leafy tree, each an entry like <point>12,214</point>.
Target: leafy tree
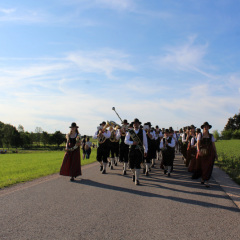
<point>45,138</point>
<point>20,128</point>
<point>58,138</point>
<point>216,135</point>
<point>11,137</point>
<point>38,131</point>
<point>227,134</point>
<point>236,134</point>
<point>25,139</point>
<point>233,123</point>
<point>1,133</point>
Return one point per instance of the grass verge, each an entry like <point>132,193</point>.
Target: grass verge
<point>22,167</point>
<point>229,158</point>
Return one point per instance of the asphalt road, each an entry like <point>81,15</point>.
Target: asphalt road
<point>110,206</point>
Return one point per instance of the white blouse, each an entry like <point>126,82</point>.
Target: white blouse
<point>200,136</point>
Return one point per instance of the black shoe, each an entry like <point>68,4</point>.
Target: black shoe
<point>144,170</point>
<point>169,175</point>
<point>101,168</point>
<point>124,173</point>
<point>137,182</point>
<point>111,167</point>
<point>115,163</point>
<point>133,178</point>
<point>152,166</point>
<point>150,170</point>
<point>165,171</point>
<point>202,182</point>
<point>147,174</point>
<point>104,172</point>
<point>109,164</point>
<point>72,179</point>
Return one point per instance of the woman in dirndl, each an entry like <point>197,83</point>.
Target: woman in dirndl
<point>206,153</point>
<point>71,165</point>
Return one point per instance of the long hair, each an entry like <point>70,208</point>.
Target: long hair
<point>68,135</point>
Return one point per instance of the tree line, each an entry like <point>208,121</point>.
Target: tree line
<point>232,128</point>
<point>12,137</point>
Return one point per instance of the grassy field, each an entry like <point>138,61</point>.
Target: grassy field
<point>28,165</point>
<point>229,158</point>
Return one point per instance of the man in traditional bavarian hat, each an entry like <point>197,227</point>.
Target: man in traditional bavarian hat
<point>123,148</point>
<point>138,149</point>
<point>158,137</point>
<point>102,151</point>
<point>167,145</point>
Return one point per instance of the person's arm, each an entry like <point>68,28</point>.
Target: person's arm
<point>118,134</point>
<point>172,143</point>
<point>95,135</point>
<point>184,138</point>
<point>214,147</point>
<point>192,142</point>
<point>161,144</point>
<point>198,143</point>
<point>145,143</point>
<point>107,134</point>
<point>127,140</point>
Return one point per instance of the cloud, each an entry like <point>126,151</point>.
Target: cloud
<point>7,11</point>
<point>116,4</point>
<point>188,57</point>
<point>104,61</point>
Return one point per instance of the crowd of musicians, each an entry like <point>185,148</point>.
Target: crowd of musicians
<point>141,146</point>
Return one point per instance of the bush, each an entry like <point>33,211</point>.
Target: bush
<point>227,134</point>
<point>236,134</point>
<point>216,135</point>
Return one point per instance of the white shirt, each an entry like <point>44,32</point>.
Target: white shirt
<point>175,136</point>
<point>145,143</point>
<point>192,141</point>
<point>184,138</point>
<point>200,136</point>
<point>171,144</point>
<point>153,135</point>
<point>160,135</point>
<point>89,143</point>
<point>106,134</point>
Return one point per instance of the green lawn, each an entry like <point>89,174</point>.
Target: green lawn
<point>229,158</point>
<point>22,167</point>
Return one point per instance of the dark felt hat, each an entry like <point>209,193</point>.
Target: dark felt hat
<point>171,129</point>
<point>103,122</point>
<point>125,121</point>
<point>131,124</point>
<point>73,125</point>
<point>192,127</point>
<point>157,126</point>
<point>136,121</point>
<point>206,124</point>
<point>198,130</point>
<point>149,124</point>
<point>166,131</point>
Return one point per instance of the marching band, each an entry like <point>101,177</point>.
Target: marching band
<point>138,146</point>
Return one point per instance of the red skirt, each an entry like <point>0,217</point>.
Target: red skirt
<point>71,165</point>
<point>206,164</point>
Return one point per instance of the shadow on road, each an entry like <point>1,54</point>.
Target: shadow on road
<point>180,177</point>
<point>149,194</point>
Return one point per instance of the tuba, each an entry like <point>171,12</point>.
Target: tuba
<point>101,138</point>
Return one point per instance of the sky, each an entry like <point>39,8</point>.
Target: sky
<point>168,62</point>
